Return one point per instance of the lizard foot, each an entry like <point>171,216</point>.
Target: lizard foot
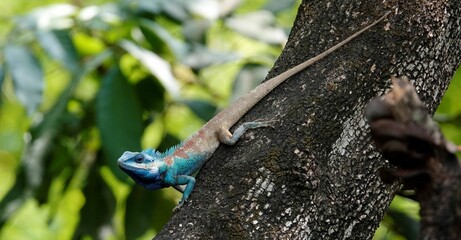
<point>175,209</point>
<point>230,139</point>
<point>262,123</point>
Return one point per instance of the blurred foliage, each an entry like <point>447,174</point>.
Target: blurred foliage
<point>82,82</point>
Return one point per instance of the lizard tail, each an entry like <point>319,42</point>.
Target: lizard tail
<point>228,117</point>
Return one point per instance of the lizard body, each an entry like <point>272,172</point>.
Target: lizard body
<point>155,170</point>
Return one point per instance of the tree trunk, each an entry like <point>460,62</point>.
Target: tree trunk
<point>315,175</point>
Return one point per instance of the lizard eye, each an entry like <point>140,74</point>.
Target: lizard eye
<point>139,158</point>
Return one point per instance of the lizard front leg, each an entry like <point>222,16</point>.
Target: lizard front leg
<point>180,188</point>
<point>189,181</point>
<point>228,138</point>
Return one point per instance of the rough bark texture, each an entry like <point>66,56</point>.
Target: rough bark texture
<point>314,176</point>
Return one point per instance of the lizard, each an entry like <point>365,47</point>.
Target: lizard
<point>174,167</point>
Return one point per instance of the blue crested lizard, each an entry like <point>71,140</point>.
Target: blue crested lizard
<point>155,170</point>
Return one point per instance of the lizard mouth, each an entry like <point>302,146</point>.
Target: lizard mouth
<point>121,164</point>
<point>133,172</point>
<point>125,167</point>
<point>144,177</point>
<point>130,169</point>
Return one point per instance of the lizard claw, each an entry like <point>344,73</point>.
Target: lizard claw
<point>175,209</point>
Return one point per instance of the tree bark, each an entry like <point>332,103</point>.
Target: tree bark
<point>315,175</point>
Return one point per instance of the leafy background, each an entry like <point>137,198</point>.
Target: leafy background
<point>83,81</point>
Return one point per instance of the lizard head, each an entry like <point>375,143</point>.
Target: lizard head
<point>143,169</point>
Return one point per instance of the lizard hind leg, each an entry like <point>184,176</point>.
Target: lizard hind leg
<point>230,139</point>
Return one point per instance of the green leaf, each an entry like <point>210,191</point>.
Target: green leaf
<point>404,224</point>
<point>276,6</point>
<point>97,60</point>
<point>151,94</point>
<point>31,213</point>
<point>258,25</point>
<point>119,118</point>
<point>450,100</point>
<point>156,34</point>
<point>201,57</point>
<point>102,17</point>
<point>87,45</point>
<point>203,109</point>
<point>145,5</point>
<point>155,64</point>
<point>55,16</point>
<point>175,9</point>
<point>99,208</point>
<point>250,76</point>
<point>2,76</point>
<point>168,141</point>
<point>53,118</point>
<point>27,75</point>
<point>59,46</point>
<point>448,113</point>
<point>67,215</point>
<point>196,30</point>
<point>209,10</point>
<point>151,209</point>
